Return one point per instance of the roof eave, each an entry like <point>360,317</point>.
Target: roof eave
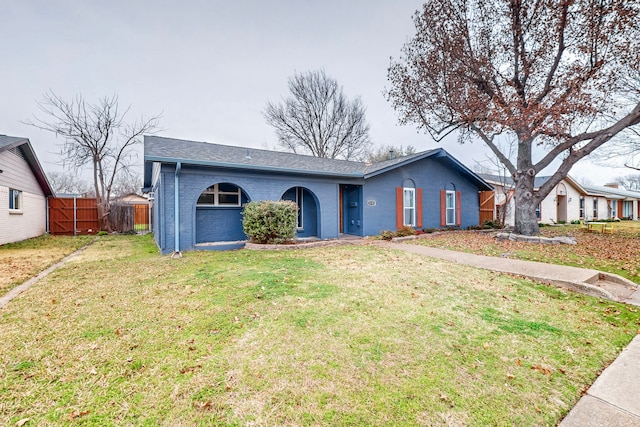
<point>34,164</point>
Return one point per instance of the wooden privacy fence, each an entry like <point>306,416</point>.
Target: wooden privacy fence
<point>72,216</point>
<point>487,206</point>
<point>125,218</point>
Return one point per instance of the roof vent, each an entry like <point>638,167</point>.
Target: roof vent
<point>248,156</point>
<point>390,154</point>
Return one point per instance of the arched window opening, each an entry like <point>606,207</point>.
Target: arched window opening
<point>223,194</point>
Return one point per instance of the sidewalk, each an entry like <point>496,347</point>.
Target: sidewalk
<point>614,398</point>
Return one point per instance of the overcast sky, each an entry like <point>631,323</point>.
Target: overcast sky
<point>208,66</point>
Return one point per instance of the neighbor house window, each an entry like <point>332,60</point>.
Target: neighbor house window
<point>595,207</point>
<point>409,203</point>
<point>538,212</point>
<point>15,199</point>
<point>627,209</point>
<point>451,207</point>
<point>614,206</point>
<point>581,207</point>
<point>220,195</point>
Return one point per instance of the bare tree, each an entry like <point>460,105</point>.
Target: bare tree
<point>127,182</point>
<point>67,183</point>
<point>385,152</point>
<point>630,182</point>
<point>95,135</point>
<point>553,74</point>
<point>318,119</point>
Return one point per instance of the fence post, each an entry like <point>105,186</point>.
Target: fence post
<point>75,219</point>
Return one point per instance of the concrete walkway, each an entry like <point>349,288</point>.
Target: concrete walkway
<point>614,398</point>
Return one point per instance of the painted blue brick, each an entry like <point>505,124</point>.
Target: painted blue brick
<point>377,201</point>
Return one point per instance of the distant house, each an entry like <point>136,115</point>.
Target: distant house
<point>611,201</point>
<point>132,199</point>
<point>199,188</point>
<point>568,201</point>
<point>565,203</point>
<point>23,191</point>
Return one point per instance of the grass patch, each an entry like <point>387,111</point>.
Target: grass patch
<point>22,260</point>
<point>349,335</point>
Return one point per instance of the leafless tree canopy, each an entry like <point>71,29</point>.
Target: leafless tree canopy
<point>385,152</point>
<point>127,182</point>
<point>558,74</point>
<point>319,120</point>
<point>95,135</point>
<point>67,183</point>
<point>630,182</point>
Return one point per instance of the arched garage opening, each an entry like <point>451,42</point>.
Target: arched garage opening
<point>218,213</point>
<point>308,210</point>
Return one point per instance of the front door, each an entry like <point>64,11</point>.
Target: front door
<point>561,209</point>
<point>352,209</point>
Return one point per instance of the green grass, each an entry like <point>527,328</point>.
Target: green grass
<point>349,335</point>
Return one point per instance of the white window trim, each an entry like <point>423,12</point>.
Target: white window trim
<point>12,200</point>
<point>215,190</point>
<point>300,202</point>
<point>452,208</point>
<point>405,208</point>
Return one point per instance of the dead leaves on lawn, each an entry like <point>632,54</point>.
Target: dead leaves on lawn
<point>616,251</point>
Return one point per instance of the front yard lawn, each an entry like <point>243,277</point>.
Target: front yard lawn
<point>346,335</point>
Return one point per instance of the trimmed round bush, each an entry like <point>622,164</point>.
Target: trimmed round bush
<point>269,221</point>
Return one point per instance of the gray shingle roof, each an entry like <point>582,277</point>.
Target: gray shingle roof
<point>537,183</point>
<point>192,152</point>
<point>610,191</point>
<point>10,141</point>
<point>170,150</point>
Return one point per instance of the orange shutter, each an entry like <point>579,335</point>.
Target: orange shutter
<point>399,208</point>
<point>443,208</point>
<point>419,207</point>
<point>458,209</point>
<point>619,208</point>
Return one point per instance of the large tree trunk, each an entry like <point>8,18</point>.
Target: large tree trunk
<point>525,204</point>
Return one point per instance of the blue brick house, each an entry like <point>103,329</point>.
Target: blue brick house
<point>199,188</point>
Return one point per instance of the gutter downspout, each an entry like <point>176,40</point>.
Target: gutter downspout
<point>176,204</point>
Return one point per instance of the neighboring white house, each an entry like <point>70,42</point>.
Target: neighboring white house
<point>611,201</point>
<point>563,204</point>
<point>23,191</point>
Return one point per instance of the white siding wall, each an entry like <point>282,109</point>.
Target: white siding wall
<point>30,221</point>
<point>548,209</point>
